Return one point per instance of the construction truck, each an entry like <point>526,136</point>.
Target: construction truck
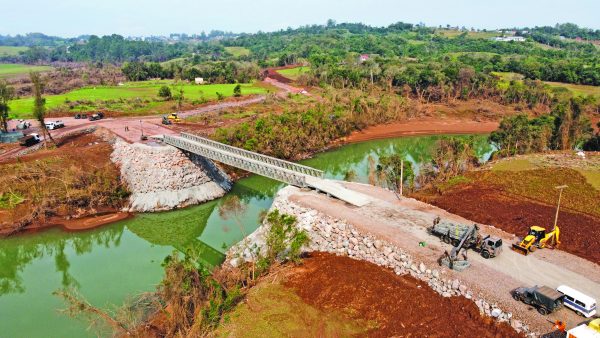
<point>469,236</point>
<point>29,140</point>
<point>545,299</point>
<point>538,238</point>
<point>174,118</point>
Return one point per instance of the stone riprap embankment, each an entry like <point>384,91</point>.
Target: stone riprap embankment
<point>332,235</point>
<point>164,178</point>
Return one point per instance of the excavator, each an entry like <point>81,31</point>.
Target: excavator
<point>538,238</point>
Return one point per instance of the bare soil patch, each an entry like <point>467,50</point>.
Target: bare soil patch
<point>400,305</point>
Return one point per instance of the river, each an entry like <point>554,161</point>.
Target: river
<point>110,264</point>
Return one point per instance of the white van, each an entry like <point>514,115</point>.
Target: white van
<point>583,304</point>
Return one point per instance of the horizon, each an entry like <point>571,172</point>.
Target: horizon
<point>71,18</point>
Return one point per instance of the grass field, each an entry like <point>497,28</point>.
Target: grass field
<point>577,90</point>
<point>10,70</point>
<point>11,51</point>
<point>293,73</point>
<point>131,99</point>
<point>238,51</point>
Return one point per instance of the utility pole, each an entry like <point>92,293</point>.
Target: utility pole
<point>561,188</point>
<point>401,175</point>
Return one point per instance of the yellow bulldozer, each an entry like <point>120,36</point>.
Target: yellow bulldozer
<point>174,118</point>
<point>538,238</point>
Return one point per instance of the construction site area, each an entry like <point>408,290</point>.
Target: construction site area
<point>485,267</point>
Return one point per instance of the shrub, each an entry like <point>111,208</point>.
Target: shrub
<point>165,92</point>
<point>237,90</point>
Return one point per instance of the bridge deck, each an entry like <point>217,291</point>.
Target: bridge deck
<point>280,170</point>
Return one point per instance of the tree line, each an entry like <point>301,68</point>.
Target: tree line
<point>212,71</point>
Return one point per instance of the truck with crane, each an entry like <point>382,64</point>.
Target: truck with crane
<point>464,237</point>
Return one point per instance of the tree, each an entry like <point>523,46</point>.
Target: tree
<point>39,104</point>
<point>237,90</point>
<point>165,92</point>
<point>7,93</point>
<point>180,96</point>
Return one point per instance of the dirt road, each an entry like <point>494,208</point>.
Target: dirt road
<point>404,223</point>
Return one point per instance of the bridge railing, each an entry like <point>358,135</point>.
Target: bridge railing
<point>256,156</point>
<point>228,157</point>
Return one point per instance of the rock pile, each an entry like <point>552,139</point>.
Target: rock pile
<point>336,236</point>
<point>164,178</point>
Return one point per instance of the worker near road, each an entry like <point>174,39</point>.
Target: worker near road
<point>560,326</point>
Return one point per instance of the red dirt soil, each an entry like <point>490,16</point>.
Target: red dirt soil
<point>580,234</point>
<point>400,305</point>
<point>422,127</point>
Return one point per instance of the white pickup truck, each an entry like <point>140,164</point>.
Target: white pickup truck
<point>54,125</point>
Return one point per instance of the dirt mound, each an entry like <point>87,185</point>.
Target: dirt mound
<point>580,234</point>
<point>400,306</point>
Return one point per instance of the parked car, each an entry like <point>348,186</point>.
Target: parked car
<point>97,116</point>
<point>545,299</point>
<point>54,125</point>
<point>22,125</point>
<point>80,116</point>
<point>29,140</point>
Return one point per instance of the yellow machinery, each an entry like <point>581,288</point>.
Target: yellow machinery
<point>538,238</point>
<point>173,117</point>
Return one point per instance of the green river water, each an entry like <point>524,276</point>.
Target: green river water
<point>117,261</point>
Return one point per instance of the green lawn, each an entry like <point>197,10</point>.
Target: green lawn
<point>11,51</point>
<point>131,99</point>
<point>293,73</point>
<point>237,51</point>
<point>9,70</point>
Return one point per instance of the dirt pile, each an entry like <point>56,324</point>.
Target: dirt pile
<point>400,305</point>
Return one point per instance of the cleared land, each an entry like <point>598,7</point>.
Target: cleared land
<point>11,70</point>
<point>11,50</point>
<point>335,296</point>
<point>237,51</point>
<point>452,33</point>
<point>131,99</point>
<point>293,73</point>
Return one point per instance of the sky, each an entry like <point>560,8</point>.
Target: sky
<point>69,18</point>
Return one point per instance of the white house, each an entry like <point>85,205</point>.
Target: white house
<point>199,80</point>
<point>509,38</point>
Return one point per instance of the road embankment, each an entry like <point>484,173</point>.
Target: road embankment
<point>163,178</point>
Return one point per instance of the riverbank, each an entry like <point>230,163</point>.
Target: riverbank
<point>423,126</point>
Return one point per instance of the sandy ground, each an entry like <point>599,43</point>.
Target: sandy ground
<point>422,126</point>
<point>405,224</point>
